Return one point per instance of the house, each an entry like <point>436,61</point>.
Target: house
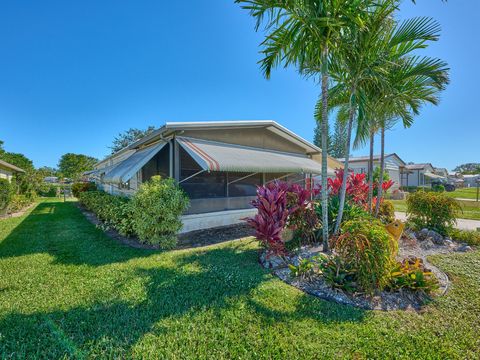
<point>393,164</point>
<point>419,175</point>
<point>8,170</point>
<point>218,165</point>
<point>471,180</point>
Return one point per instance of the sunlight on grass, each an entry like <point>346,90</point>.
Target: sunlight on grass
<point>67,290</point>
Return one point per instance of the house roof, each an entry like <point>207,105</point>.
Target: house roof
<point>172,127</point>
<point>418,166</point>
<point>10,166</point>
<point>375,158</point>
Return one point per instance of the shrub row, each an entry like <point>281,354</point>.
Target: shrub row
<point>152,214</point>
<point>80,187</point>
<point>11,202</point>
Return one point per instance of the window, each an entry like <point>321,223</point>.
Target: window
<point>158,165</point>
<point>124,186</point>
<point>243,184</point>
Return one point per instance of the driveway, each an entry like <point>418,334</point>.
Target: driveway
<point>464,224</point>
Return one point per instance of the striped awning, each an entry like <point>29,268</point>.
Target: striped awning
<point>216,156</point>
<point>126,169</point>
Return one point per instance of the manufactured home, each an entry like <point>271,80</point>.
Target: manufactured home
<point>393,165</point>
<point>420,175</point>
<point>218,165</point>
<point>7,170</point>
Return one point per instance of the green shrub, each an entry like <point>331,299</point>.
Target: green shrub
<point>6,192</point>
<point>351,211</point>
<point>432,210</point>
<point>438,188</point>
<point>338,274</point>
<point>19,202</point>
<point>80,187</point>
<point>471,237</point>
<point>48,190</point>
<point>113,211</point>
<point>386,212</point>
<point>366,248</point>
<point>157,207</point>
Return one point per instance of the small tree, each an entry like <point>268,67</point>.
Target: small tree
<point>128,137</point>
<point>74,165</point>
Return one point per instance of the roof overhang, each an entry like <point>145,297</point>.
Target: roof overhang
<point>9,166</point>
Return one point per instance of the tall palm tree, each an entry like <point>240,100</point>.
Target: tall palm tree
<point>303,33</point>
<point>375,63</point>
<point>413,82</point>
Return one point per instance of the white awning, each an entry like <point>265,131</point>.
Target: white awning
<point>433,176</point>
<point>216,156</point>
<point>126,169</point>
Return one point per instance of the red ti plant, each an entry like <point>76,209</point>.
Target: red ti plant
<point>304,219</point>
<point>271,219</point>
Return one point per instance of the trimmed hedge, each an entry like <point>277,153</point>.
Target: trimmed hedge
<point>6,193</point>
<point>153,213</point>
<point>80,187</point>
<point>114,211</point>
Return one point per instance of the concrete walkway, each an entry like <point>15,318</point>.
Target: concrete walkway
<point>464,224</point>
<point>465,199</point>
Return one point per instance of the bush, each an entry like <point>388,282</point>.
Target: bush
<point>351,211</point>
<point>438,188</point>
<point>18,202</point>
<point>471,237</point>
<point>386,212</point>
<point>6,192</point>
<point>366,248</point>
<point>412,274</point>
<point>432,210</point>
<point>48,190</point>
<point>157,207</point>
<point>80,187</point>
<point>113,211</point>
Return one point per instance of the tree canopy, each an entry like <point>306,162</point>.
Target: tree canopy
<point>129,137</point>
<point>74,165</point>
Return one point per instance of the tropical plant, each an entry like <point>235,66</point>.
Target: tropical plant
<point>157,207</point>
<point>432,210</point>
<point>412,274</point>
<point>338,274</point>
<point>302,217</point>
<point>303,33</point>
<point>271,218</point>
<point>366,248</point>
<point>471,237</point>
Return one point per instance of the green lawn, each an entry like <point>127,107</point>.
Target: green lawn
<point>465,193</point>
<point>68,291</point>
<point>470,209</point>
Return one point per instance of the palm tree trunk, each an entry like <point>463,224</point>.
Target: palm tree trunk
<point>382,169</point>
<point>370,172</point>
<point>343,189</point>
<point>324,130</point>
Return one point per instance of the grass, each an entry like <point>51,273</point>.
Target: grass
<point>464,193</point>
<point>470,209</point>
<point>68,291</point>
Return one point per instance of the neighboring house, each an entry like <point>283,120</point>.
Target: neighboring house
<point>471,180</point>
<point>8,170</point>
<point>393,164</point>
<point>442,172</point>
<point>218,164</point>
<point>420,175</point>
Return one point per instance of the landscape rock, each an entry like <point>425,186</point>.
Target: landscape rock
<point>464,248</point>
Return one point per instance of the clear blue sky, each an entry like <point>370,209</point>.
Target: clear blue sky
<point>73,74</point>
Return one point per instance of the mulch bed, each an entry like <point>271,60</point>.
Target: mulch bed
<point>187,240</point>
<point>385,300</point>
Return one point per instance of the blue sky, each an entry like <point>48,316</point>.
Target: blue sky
<point>73,74</point>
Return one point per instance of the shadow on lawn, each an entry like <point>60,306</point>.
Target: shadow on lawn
<point>199,287</point>
<point>61,230</point>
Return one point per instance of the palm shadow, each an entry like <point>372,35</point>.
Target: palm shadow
<point>204,281</point>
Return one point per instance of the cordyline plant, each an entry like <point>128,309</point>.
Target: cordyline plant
<point>357,187</point>
<point>279,206</point>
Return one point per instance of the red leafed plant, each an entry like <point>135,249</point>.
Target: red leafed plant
<point>357,186</point>
<point>271,219</point>
<point>281,205</point>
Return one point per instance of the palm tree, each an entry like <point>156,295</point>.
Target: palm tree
<point>413,82</point>
<point>370,74</point>
<point>303,33</point>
